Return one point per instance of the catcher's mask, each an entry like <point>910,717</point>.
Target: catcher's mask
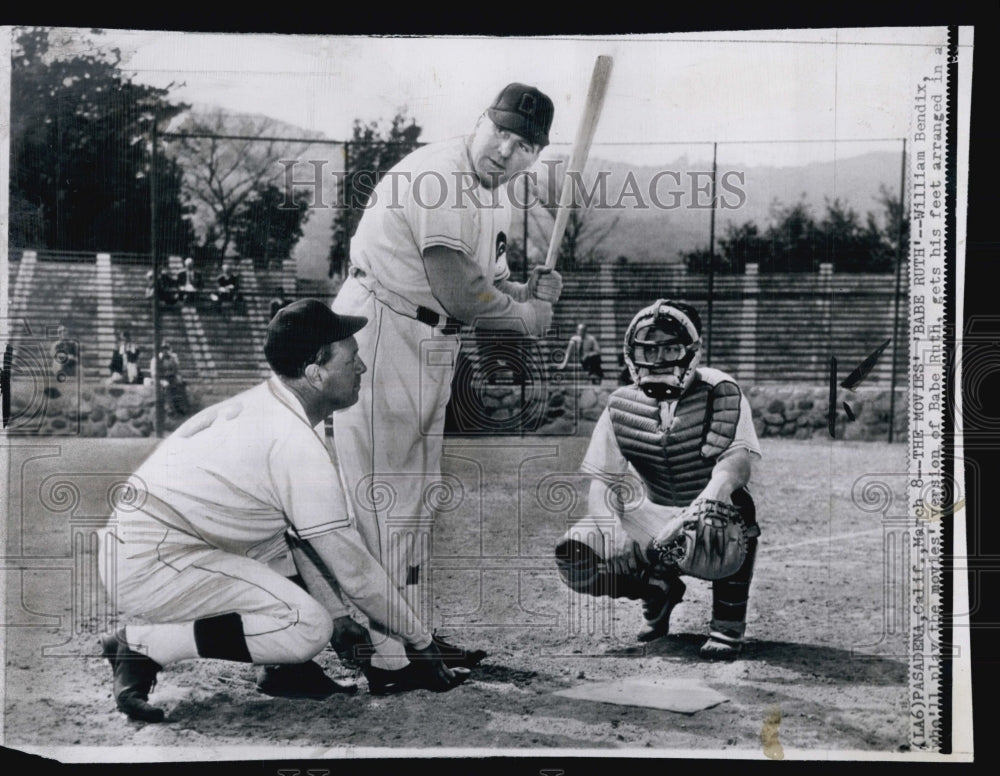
<point>663,348</point>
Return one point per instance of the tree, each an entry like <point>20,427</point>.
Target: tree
<point>227,161</point>
<point>80,156</point>
<point>371,152</point>
<point>27,222</point>
<point>517,259</point>
<point>585,230</point>
<point>891,235</point>
<point>583,237</point>
<point>796,242</point>
<point>741,245</point>
<point>793,240</point>
<point>265,229</point>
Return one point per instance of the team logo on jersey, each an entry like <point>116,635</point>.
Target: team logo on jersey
<point>501,245</point>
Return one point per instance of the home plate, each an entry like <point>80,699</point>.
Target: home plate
<point>686,696</point>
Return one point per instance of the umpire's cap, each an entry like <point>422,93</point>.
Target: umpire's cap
<point>525,111</point>
<point>297,332</point>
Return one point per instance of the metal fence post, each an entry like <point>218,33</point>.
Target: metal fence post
<point>345,258</point>
<point>711,262</point>
<point>524,269</point>
<point>899,272</point>
<point>154,248</point>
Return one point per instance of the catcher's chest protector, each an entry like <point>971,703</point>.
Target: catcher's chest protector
<point>676,463</point>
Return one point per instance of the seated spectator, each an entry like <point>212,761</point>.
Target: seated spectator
<point>227,289</point>
<point>168,371</point>
<point>124,364</point>
<point>64,355</point>
<point>165,290</point>
<point>189,282</point>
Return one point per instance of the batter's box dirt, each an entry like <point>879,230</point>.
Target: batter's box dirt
<point>514,676</point>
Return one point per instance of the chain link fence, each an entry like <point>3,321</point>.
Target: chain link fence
<point>794,254</point>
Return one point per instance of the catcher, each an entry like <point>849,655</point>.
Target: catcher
<point>686,433</point>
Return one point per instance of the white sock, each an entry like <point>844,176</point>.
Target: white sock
<point>390,654</point>
<point>165,643</point>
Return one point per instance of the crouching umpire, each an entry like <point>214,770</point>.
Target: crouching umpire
<point>186,553</point>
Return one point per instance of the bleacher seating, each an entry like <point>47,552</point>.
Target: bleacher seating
<point>60,293</point>
<point>66,289</point>
<point>132,309</point>
<point>777,328</point>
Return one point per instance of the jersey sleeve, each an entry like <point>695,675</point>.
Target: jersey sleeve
<point>604,458</point>
<point>745,437</point>
<point>307,485</point>
<point>311,492</point>
<point>433,217</point>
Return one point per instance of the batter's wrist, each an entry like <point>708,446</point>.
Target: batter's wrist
<point>422,643</point>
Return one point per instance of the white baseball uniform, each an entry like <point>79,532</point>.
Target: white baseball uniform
<point>389,443</point>
<point>642,519</point>
<point>209,509</point>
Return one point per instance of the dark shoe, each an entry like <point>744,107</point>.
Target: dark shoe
<point>458,657</point>
<point>657,608</point>
<point>384,682</point>
<point>134,678</point>
<point>299,680</point>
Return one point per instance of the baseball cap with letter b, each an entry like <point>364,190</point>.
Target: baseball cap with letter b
<point>525,111</point>
<point>298,331</point>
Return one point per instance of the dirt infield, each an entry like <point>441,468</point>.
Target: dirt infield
<point>824,671</point>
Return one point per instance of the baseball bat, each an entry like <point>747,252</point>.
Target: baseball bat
<point>581,149</point>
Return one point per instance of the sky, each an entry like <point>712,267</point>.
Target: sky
<point>666,91</point>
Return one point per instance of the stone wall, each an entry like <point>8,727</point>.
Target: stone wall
<point>802,412</point>
<point>790,411</point>
<point>94,411</point>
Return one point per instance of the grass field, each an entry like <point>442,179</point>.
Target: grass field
<point>825,660</point>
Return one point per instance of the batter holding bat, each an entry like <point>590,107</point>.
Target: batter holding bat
<point>428,257</point>
<point>187,555</point>
<point>685,433</point>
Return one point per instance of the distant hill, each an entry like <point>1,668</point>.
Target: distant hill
<point>676,218</point>
<point>646,229</point>
<point>313,247</point>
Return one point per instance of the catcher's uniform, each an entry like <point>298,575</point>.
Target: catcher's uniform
<point>390,441</point>
<point>671,448</point>
<point>209,509</point>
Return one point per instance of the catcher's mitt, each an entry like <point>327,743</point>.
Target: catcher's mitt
<point>709,541</point>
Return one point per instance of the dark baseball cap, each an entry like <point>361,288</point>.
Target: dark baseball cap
<point>525,111</point>
<point>297,332</point>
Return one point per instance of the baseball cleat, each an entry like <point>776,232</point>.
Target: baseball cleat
<point>299,680</point>
<point>382,681</point>
<point>134,678</point>
<point>657,608</point>
<point>721,647</point>
<point>458,657</point>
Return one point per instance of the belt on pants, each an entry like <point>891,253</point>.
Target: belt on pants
<point>426,315</point>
